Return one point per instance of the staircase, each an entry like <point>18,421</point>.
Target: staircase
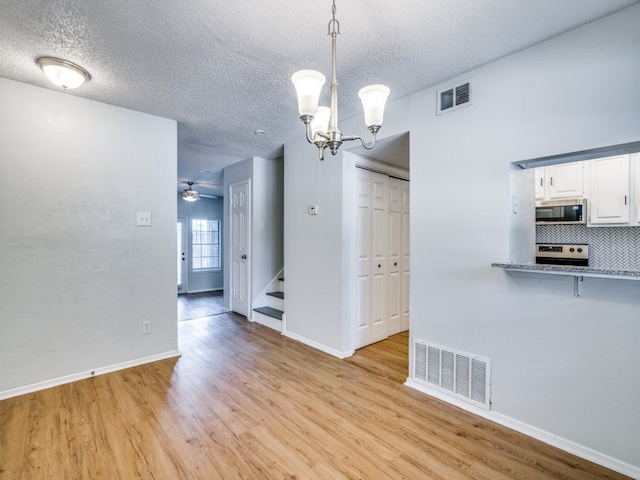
<point>271,314</point>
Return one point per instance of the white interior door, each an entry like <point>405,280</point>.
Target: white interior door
<point>405,264</point>
<point>379,256</point>
<point>363,258</point>
<point>395,255</point>
<point>240,204</point>
<point>181,232</point>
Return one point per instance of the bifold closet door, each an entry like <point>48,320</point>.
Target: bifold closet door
<point>405,263</point>
<point>371,251</point>
<point>380,254</point>
<point>395,256</point>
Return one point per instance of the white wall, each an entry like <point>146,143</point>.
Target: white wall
<point>78,276</point>
<point>562,366</point>
<point>208,209</point>
<point>569,366</point>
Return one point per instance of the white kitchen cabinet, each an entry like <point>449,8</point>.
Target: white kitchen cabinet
<point>609,197</point>
<point>635,187</point>
<point>560,181</point>
<point>540,182</point>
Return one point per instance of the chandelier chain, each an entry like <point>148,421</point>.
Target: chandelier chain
<point>334,25</point>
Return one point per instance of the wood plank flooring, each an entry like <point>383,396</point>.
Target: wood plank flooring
<point>198,305</point>
<point>244,402</point>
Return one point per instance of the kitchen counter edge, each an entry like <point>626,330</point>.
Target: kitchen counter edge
<point>559,270</point>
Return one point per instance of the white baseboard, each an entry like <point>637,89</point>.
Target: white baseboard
<point>318,346</point>
<point>544,436</point>
<point>34,387</point>
<point>204,290</point>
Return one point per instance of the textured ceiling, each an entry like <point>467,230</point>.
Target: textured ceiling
<point>222,68</point>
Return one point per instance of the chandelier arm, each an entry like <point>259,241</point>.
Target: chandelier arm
<point>308,132</point>
<point>348,138</point>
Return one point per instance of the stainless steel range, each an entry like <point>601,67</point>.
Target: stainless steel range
<point>561,254</point>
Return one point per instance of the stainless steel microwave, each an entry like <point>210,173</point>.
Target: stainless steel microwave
<point>557,212</point>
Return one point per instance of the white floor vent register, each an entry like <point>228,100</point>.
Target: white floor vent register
<point>455,373</point>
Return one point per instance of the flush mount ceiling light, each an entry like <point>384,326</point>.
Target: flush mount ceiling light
<point>63,73</point>
<point>321,123</point>
<point>190,195</point>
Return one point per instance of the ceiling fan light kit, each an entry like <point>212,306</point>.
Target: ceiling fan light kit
<point>63,73</point>
<point>190,195</point>
<point>321,123</point>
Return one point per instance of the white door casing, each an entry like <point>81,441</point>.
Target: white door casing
<point>240,240</point>
<point>182,254</point>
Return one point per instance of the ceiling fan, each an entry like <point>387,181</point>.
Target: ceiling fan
<point>191,195</point>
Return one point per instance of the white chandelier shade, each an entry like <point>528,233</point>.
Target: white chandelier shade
<point>374,98</point>
<point>308,85</point>
<point>320,122</point>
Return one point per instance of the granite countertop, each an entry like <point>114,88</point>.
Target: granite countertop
<point>560,270</point>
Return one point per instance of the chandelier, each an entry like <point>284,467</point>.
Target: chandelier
<point>321,123</point>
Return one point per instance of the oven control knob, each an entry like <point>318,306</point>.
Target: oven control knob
<point>579,250</point>
<point>573,250</point>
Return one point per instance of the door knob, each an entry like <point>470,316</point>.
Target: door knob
<point>244,257</point>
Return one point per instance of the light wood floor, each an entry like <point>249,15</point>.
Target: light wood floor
<point>198,305</point>
<point>244,402</point>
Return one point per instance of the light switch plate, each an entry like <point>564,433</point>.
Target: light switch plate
<point>143,219</point>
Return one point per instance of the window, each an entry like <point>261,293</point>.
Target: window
<point>205,245</point>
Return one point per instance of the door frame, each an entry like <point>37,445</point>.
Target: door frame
<point>183,288</point>
<point>248,276</point>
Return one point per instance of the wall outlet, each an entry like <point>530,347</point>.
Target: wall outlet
<point>143,219</point>
<point>146,326</point>
<point>313,210</point>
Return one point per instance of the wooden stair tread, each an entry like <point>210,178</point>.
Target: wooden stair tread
<point>276,294</point>
<point>271,312</point>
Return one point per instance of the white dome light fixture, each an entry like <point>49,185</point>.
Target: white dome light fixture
<point>321,123</point>
<point>63,73</point>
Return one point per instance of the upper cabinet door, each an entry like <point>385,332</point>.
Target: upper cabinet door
<point>635,185</point>
<point>539,188</point>
<point>609,196</point>
<point>566,180</point>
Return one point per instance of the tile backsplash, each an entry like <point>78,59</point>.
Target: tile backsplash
<point>611,248</point>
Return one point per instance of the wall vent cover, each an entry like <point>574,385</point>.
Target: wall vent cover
<point>455,373</point>
<point>455,97</point>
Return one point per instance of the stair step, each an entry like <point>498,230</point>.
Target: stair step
<point>276,294</point>
<point>271,312</point>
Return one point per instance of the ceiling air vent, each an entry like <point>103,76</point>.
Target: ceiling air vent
<point>455,97</point>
